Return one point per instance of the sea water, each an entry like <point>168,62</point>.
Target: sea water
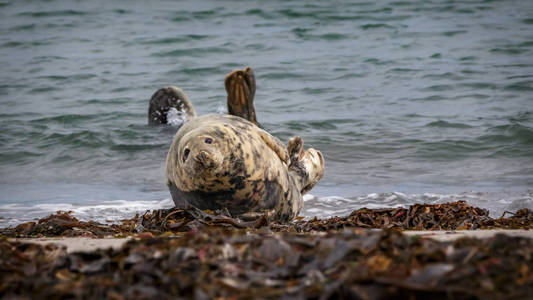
<point>409,101</point>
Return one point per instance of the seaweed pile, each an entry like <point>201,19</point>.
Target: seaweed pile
<point>448,216</point>
<point>64,224</point>
<point>198,254</point>
<point>216,263</point>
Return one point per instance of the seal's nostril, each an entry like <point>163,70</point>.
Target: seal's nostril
<point>208,140</point>
<point>186,154</point>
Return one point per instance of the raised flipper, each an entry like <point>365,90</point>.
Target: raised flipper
<point>275,144</point>
<point>165,99</point>
<point>240,86</point>
<point>306,166</point>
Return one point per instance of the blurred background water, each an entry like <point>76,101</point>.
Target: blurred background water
<point>409,101</point>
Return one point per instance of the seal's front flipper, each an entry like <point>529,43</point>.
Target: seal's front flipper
<point>306,166</point>
<point>240,86</point>
<point>275,144</point>
<point>179,200</point>
<point>165,100</point>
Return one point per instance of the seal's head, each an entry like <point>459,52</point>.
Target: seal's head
<point>200,154</point>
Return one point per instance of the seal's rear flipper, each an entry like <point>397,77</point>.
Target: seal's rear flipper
<point>306,166</point>
<point>164,100</point>
<point>240,86</point>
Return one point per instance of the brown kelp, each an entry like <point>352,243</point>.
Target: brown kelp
<point>221,263</point>
<point>192,253</point>
<point>448,216</point>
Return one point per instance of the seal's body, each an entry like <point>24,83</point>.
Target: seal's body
<point>224,161</point>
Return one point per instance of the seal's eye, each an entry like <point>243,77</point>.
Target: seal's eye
<point>186,154</point>
<point>208,140</point>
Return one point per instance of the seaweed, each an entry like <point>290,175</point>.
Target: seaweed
<point>448,216</point>
<point>190,253</point>
<point>221,263</point>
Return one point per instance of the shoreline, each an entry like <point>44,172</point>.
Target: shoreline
<point>443,251</point>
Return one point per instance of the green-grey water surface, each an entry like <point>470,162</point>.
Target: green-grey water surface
<point>409,101</point>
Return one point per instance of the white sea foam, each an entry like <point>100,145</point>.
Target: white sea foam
<point>13,214</point>
<point>321,207</point>
<point>495,203</point>
<point>221,108</point>
<point>176,117</point>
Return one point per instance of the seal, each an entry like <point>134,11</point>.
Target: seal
<point>163,100</point>
<point>240,87</point>
<point>227,162</point>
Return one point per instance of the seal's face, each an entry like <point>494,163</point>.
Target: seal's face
<point>200,154</point>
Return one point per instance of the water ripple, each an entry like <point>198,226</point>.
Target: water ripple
<point>410,96</point>
<point>193,52</point>
<point>53,13</point>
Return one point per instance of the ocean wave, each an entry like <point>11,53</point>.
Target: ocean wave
<point>307,36</point>
<point>390,96</point>
<point>184,15</point>
<point>173,40</point>
<point>445,124</point>
<point>192,52</point>
<point>496,203</point>
<point>44,89</point>
<point>370,26</point>
<point>25,44</point>
<point>72,77</point>
<point>107,211</point>
<point>321,207</point>
<point>67,119</point>
<point>54,13</point>
<point>521,86</point>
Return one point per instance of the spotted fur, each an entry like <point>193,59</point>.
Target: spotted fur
<point>223,161</point>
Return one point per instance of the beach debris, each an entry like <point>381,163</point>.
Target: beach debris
<point>62,223</point>
<point>217,263</point>
<point>192,253</point>
<point>447,216</point>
